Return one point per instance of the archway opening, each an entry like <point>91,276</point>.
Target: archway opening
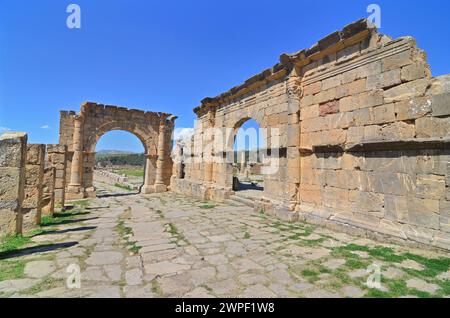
<point>249,146</point>
<point>120,161</point>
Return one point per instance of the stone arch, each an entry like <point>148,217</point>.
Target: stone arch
<point>149,144</point>
<point>80,132</point>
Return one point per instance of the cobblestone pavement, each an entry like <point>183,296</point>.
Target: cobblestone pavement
<point>167,245</point>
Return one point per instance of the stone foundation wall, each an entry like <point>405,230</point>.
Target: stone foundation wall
<point>32,203</point>
<point>13,154</point>
<point>360,131</point>
<point>113,179</point>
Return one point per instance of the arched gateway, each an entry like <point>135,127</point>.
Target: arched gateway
<point>80,132</point>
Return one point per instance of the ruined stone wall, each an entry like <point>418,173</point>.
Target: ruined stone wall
<point>363,134</point>
<point>112,178</point>
<point>13,154</point>
<point>32,203</point>
<point>374,132</point>
<point>57,156</point>
<point>48,198</point>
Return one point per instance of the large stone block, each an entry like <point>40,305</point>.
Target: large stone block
<point>13,152</point>
<point>313,88</point>
<point>398,131</point>
<point>13,149</point>
<point>415,71</point>
<point>441,105</point>
<point>11,188</point>
<point>423,212</point>
<point>383,80</point>
<point>427,127</point>
<point>397,60</point>
<point>352,88</point>
<point>408,90</point>
<point>369,202</point>
<point>413,108</point>
<point>384,114</point>
<point>330,107</point>
<point>429,186</point>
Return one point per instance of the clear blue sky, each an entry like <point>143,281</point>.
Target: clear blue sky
<point>168,55</point>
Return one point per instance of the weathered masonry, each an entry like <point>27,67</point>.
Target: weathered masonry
<point>80,133</point>
<point>359,134</point>
<point>13,156</point>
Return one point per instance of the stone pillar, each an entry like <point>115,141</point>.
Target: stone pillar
<point>179,160</point>
<point>76,171</point>
<point>88,174</point>
<point>48,200</point>
<point>208,144</point>
<point>34,175</point>
<point>57,157</point>
<point>159,182</point>
<point>150,170</point>
<point>13,152</point>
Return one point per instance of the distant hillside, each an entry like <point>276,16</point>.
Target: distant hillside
<point>114,152</point>
<point>121,158</point>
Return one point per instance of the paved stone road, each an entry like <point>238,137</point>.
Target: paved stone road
<point>167,245</point>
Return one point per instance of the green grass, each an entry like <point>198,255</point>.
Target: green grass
<point>177,237</point>
<point>125,232</point>
<point>396,288</point>
<point>131,172</point>
<point>80,203</point>
<point>310,275</point>
<point>246,235</point>
<point>13,242</point>
<point>11,269</point>
<point>47,284</point>
<point>356,264</point>
<point>156,288</point>
<point>123,186</point>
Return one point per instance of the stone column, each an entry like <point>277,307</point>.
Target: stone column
<point>75,184</point>
<point>179,159</point>
<point>13,152</point>
<point>57,157</point>
<point>48,199</point>
<point>159,182</point>
<point>208,144</point>
<point>34,175</point>
<point>150,169</point>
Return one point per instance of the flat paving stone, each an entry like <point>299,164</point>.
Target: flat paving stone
<point>334,263</point>
<point>422,285</point>
<point>17,285</point>
<point>352,291</point>
<point>410,264</point>
<point>39,269</point>
<point>165,267</point>
<point>134,277</point>
<point>258,291</point>
<point>104,258</point>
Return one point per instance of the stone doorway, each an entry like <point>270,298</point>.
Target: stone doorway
<point>249,147</point>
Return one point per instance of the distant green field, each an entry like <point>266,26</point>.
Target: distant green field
<point>131,172</point>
